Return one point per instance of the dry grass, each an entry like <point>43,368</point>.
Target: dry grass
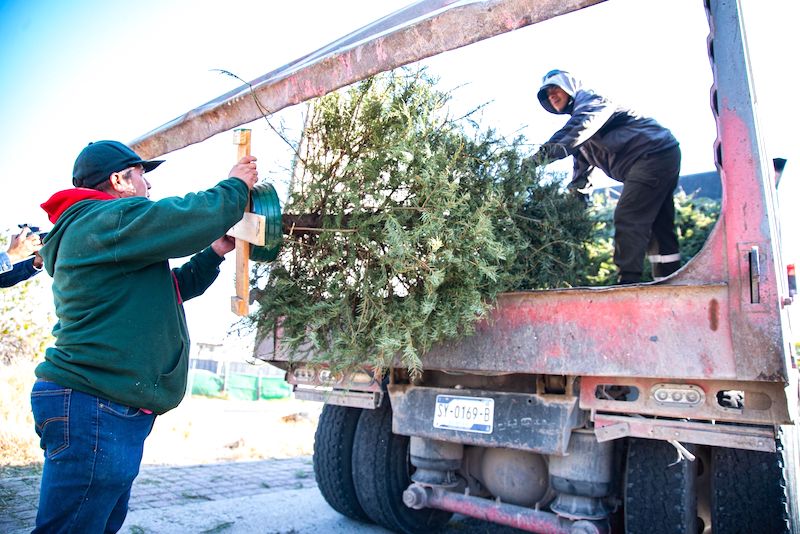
<point>200,430</point>
<point>19,444</point>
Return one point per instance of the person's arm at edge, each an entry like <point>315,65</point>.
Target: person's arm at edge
<point>20,272</point>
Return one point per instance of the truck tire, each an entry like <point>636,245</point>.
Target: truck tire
<point>381,471</point>
<point>333,464</point>
<point>660,498</point>
<point>755,491</point>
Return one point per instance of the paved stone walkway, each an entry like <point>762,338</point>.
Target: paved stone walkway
<point>157,487</point>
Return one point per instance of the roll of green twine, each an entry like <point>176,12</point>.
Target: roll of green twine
<point>264,202</point>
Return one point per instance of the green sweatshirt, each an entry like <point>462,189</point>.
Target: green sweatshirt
<point>121,331</point>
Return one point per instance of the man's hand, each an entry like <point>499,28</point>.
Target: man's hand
<point>23,245</point>
<point>246,171</point>
<point>223,245</point>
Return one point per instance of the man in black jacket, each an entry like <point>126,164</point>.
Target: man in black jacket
<point>631,149</point>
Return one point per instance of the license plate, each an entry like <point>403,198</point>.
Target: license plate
<point>468,414</point>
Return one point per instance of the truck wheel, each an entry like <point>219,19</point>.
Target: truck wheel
<point>382,470</point>
<point>333,452</point>
<point>659,498</point>
<point>755,491</point>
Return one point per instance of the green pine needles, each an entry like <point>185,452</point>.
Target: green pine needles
<point>403,225</point>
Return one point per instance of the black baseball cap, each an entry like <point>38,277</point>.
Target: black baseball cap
<point>101,159</point>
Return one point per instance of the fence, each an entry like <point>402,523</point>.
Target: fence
<point>236,380</point>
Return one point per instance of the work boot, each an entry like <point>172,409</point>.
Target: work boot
<point>626,278</point>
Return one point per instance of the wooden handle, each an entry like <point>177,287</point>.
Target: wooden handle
<point>241,138</point>
<point>240,304</point>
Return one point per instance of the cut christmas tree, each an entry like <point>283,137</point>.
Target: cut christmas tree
<point>404,224</point>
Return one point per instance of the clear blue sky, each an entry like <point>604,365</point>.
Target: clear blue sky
<point>77,71</point>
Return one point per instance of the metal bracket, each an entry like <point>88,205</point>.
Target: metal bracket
<point>251,228</point>
<point>608,427</point>
<point>338,397</point>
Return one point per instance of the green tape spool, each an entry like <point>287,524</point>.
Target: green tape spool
<point>264,201</point>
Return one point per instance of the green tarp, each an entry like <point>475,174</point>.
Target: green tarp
<point>239,386</point>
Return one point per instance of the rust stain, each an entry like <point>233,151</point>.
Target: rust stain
<point>708,365</point>
<point>713,315</point>
<point>380,52</point>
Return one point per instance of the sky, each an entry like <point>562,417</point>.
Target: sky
<point>84,70</point>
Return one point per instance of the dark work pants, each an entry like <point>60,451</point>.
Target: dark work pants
<point>644,220</point>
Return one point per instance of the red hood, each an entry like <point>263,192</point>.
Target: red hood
<point>63,200</point>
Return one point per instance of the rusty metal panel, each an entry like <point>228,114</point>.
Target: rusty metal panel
<point>644,331</point>
<point>749,203</point>
<point>658,330</point>
<point>422,30</point>
<point>538,423</point>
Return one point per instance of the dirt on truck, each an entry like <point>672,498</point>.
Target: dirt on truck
<point>657,407</point>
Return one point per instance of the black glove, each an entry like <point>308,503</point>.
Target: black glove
<point>582,197</point>
<point>581,187</point>
<point>540,158</point>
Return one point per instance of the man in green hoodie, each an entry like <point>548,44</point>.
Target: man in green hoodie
<point>121,351</point>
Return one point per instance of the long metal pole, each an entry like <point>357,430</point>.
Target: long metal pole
<point>527,519</point>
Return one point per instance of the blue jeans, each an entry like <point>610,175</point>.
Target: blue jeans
<point>93,449</point>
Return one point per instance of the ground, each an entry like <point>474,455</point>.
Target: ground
<point>203,430</point>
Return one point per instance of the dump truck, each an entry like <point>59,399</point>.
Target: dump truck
<point>657,407</point>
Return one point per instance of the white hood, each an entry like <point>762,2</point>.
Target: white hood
<point>563,79</point>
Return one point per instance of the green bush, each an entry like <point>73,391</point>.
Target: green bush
<point>694,219</point>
